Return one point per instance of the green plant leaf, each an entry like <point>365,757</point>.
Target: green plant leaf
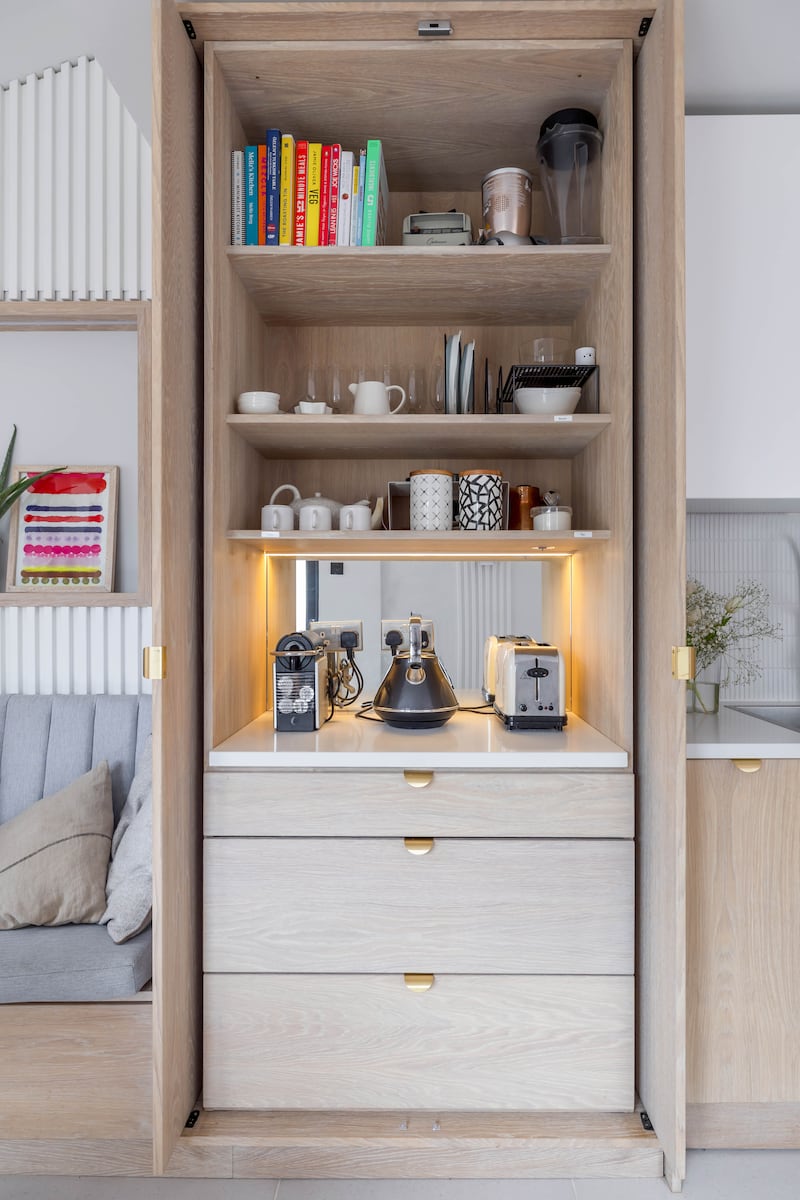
<point>9,495</point>
<point>7,461</point>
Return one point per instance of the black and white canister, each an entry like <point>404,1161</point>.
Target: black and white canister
<point>480,499</point>
<point>431,500</point>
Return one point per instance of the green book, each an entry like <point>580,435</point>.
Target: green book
<point>376,196</point>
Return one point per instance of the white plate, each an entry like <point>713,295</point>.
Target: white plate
<point>452,363</point>
<point>466,402</point>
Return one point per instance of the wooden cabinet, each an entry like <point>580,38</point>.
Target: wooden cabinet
<point>742,251</point>
<point>448,110</point>
<point>743,910</point>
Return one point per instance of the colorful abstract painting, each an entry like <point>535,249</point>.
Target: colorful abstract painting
<point>63,531</point>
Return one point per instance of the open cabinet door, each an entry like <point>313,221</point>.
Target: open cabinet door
<point>177,606</point>
<point>660,581</point>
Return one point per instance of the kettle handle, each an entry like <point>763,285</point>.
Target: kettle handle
<point>283,488</point>
<point>415,642</point>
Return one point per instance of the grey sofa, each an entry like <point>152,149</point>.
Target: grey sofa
<point>45,742</point>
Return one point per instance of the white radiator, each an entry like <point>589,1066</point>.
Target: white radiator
<point>485,592</point>
<point>75,190</point>
<point>73,650</point>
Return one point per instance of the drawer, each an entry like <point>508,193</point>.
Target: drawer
<point>372,905</point>
<point>586,804</point>
<point>369,1042</point>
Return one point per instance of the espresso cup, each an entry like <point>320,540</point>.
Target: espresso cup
<point>480,500</point>
<point>431,499</point>
<point>371,398</point>
<point>315,518</point>
<point>354,517</point>
<point>275,517</point>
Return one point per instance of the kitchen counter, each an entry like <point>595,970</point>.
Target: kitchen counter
<point>731,734</point>
<point>476,740</point>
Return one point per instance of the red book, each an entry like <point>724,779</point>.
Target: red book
<point>325,196</point>
<point>300,193</point>
<point>262,195</point>
<point>333,215</point>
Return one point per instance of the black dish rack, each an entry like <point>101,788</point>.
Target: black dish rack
<point>549,375</point>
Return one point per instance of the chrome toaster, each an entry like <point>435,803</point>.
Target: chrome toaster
<point>529,686</point>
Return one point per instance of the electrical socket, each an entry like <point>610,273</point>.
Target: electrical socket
<point>333,630</point>
<point>400,626</point>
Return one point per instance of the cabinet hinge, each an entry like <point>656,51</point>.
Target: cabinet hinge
<point>645,25</point>
<point>646,1122</point>
<point>154,662</point>
<point>683,662</point>
<point>434,29</point>
<point>192,1118</point>
<point>189,27</point>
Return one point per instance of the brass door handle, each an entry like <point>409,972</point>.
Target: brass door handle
<point>418,779</point>
<point>748,765</point>
<point>418,845</point>
<point>418,983</point>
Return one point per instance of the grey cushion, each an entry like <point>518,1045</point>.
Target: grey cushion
<point>71,962</point>
<point>129,884</point>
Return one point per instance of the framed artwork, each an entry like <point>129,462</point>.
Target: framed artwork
<point>64,532</point>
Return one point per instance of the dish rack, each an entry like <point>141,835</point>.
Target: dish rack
<point>550,375</point>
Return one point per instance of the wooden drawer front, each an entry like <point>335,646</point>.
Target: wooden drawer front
<point>384,804</point>
<point>368,904</point>
<point>366,1041</point>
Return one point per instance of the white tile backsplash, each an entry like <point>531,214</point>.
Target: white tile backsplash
<point>724,548</point>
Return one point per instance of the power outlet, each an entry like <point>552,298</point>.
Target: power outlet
<point>402,626</point>
<point>333,630</point>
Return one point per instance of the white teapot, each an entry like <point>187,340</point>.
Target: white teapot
<point>299,503</point>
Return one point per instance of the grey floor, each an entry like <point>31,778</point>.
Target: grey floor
<point>712,1175</point>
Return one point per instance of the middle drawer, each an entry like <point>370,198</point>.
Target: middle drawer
<point>504,905</point>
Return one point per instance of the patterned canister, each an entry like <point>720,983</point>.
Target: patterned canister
<point>506,195</point>
<point>431,499</point>
<point>480,499</point>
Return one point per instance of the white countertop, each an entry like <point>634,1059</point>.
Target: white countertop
<point>731,734</point>
<point>477,740</point>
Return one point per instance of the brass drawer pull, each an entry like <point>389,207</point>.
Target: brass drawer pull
<point>418,983</point>
<point>418,845</point>
<point>418,779</point>
<point>748,765</point>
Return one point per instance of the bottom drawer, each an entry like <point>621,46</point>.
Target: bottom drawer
<point>369,1041</point>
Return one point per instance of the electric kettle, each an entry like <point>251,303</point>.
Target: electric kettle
<point>415,692</point>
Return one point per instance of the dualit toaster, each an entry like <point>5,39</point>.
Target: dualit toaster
<point>490,649</point>
<point>529,686</point>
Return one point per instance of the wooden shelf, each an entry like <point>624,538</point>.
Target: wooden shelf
<point>402,543</point>
<point>287,435</point>
<point>73,314</point>
<point>43,597</point>
<point>383,285</point>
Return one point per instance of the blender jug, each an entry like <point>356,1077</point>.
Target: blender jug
<point>568,153</point>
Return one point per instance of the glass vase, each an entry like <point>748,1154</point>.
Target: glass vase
<point>702,692</point>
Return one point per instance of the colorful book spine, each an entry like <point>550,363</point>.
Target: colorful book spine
<point>354,204</point>
<point>325,196</point>
<point>345,215</point>
<point>300,193</point>
<point>372,188</point>
<point>262,195</point>
<point>314,193</point>
<point>333,209</point>
<point>286,221</point>
<point>362,170</point>
<point>383,205</point>
<point>251,195</point>
<point>237,198</point>
<point>273,185</point>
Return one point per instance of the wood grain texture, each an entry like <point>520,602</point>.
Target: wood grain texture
<point>743,913</point>
<point>660,574</point>
<point>396,543</point>
<point>743,1126</point>
<point>38,315</point>
<point>483,285</point>
<point>345,435</point>
<point>177,452</point>
<point>573,804</point>
<point>77,1156</point>
<point>479,1042</point>
<point>144,384</point>
<point>76,1071</point>
<point>556,907</point>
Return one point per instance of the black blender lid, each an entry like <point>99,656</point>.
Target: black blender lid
<point>568,116</point>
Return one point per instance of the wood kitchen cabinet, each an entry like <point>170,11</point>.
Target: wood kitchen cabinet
<point>743,974</point>
<point>742,255</point>
<point>448,110</point>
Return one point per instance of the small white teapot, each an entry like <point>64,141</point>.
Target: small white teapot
<point>371,398</point>
<point>298,504</point>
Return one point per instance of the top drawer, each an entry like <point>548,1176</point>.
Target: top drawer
<point>397,803</point>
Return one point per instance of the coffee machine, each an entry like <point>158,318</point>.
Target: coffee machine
<point>529,686</point>
<point>300,676</point>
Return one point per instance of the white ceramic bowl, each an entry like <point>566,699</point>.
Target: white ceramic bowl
<point>547,401</point>
<point>258,402</point>
<point>314,408</point>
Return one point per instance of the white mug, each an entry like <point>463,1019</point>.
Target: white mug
<point>315,518</point>
<point>355,517</point>
<point>277,517</point>
<point>431,500</point>
<point>372,397</point>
